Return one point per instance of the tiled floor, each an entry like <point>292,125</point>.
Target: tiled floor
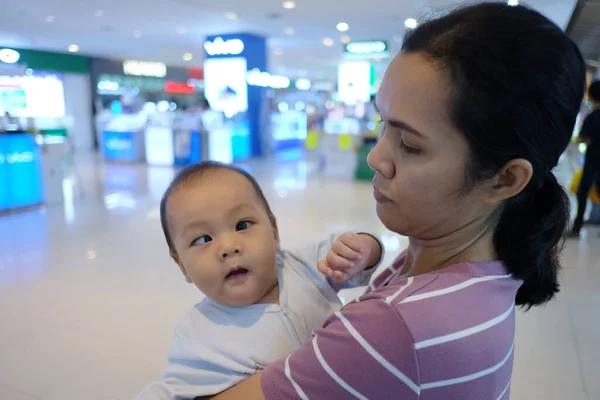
<point>89,297</point>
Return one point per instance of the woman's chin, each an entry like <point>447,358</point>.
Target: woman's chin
<point>390,219</point>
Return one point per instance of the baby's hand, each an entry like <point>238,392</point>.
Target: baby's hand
<point>349,256</point>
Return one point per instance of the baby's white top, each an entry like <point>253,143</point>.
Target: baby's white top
<point>217,346</point>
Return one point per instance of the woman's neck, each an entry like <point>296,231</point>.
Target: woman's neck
<point>472,243</point>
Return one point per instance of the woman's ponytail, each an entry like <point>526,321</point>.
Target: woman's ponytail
<point>529,238</point>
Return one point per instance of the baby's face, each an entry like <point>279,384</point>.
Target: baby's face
<point>224,240</point>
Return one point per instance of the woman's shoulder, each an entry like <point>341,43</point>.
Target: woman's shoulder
<point>464,278</point>
<point>453,299</point>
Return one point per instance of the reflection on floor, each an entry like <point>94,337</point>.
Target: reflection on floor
<point>89,297</point>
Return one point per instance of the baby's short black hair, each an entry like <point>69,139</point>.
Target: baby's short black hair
<point>195,171</point>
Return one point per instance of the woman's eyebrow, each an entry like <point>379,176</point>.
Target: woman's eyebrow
<point>399,124</point>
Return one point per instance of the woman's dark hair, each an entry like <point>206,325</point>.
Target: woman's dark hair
<point>517,86</point>
<point>594,91</point>
<point>195,171</point>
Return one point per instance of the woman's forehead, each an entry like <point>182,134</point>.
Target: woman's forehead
<point>416,92</point>
<point>412,84</point>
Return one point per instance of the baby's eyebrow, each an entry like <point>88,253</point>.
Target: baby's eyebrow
<point>193,226</point>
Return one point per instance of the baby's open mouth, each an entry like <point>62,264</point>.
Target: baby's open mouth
<point>236,272</point>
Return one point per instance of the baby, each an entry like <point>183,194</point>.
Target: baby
<point>261,303</point>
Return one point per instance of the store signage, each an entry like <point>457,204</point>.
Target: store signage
<point>367,47</point>
<point>9,56</point>
<point>303,84</point>
<point>354,82</point>
<point>144,68</point>
<point>323,86</point>
<point>220,47</point>
<point>119,146</point>
<point>179,88</point>
<point>108,86</point>
<point>17,157</point>
<point>257,78</point>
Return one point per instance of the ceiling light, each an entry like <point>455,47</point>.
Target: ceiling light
<point>187,57</point>
<point>289,31</point>
<point>345,39</point>
<point>342,27</point>
<point>137,34</point>
<point>181,31</point>
<point>232,15</point>
<point>288,4</point>
<point>73,48</point>
<point>328,42</point>
<point>99,13</point>
<point>410,23</point>
<point>50,18</point>
<point>513,2</point>
<point>9,56</point>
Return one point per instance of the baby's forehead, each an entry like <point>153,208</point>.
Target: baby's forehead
<point>219,187</point>
<point>218,177</point>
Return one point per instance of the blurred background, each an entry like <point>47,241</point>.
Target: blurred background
<point>102,101</point>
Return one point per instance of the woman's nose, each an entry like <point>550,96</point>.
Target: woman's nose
<point>377,161</point>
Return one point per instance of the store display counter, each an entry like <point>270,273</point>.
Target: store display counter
<point>123,146</point>
<point>21,172</point>
<point>167,146</point>
<point>289,130</point>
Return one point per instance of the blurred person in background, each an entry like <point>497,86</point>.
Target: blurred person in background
<point>476,111</point>
<point>590,135</point>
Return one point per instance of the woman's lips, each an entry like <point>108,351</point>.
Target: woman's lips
<point>379,197</point>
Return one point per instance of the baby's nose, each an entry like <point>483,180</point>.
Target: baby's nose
<point>230,251</point>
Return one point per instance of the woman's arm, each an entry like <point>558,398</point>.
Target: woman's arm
<point>365,352</point>
<point>249,389</point>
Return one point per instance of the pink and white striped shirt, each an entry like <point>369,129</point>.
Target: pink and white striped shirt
<point>446,335</point>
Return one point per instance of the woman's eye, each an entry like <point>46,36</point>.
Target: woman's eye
<point>242,226</point>
<point>202,240</point>
<point>410,150</point>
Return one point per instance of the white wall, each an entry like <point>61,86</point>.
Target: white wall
<point>78,106</point>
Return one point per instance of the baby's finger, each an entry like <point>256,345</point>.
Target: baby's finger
<point>341,276</point>
<point>323,268</point>
<point>341,248</point>
<point>353,241</point>
<point>335,261</point>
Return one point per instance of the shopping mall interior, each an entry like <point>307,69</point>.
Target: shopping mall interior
<point>102,103</point>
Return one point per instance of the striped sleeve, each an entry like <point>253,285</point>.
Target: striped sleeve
<point>350,357</point>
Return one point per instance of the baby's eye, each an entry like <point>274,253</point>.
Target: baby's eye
<point>242,226</point>
<point>202,240</point>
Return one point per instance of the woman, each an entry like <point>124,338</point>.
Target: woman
<point>590,134</point>
<point>476,110</point>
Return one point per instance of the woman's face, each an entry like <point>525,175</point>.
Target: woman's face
<point>421,158</point>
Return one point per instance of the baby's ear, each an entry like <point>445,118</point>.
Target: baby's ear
<point>175,258</point>
<point>276,232</point>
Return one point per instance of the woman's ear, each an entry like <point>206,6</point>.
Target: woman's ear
<point>512,179</point>
<point>175,258</point>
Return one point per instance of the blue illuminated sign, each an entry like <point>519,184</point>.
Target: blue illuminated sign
<point>119,146</point>
<point>21,181</point>
<point>236,56</point>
